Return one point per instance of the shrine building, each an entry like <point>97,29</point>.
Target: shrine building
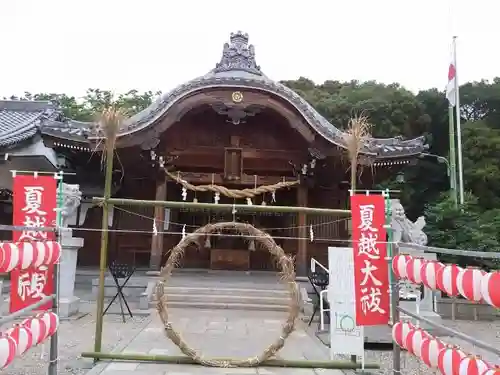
<point>233,127</point>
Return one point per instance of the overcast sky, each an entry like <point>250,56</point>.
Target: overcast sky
<point>71,45</point>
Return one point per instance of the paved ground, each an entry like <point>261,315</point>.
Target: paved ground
<point>218,333</point>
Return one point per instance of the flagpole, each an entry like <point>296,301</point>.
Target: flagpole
<point>459,130</point>
<point>453,159</point>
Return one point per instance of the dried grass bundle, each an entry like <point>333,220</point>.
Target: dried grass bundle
<point>355,136</point>
<point>108,124</point>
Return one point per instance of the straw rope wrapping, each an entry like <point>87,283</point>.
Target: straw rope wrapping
<point>232,193</point>
<point>286,265</point>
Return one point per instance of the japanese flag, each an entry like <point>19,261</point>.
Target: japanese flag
<point>451,92</point>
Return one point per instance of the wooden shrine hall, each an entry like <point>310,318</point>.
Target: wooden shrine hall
<point>232,127</point>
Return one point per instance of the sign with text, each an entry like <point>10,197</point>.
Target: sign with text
<point>34,205</point>
<point>371,271</point>
<point>345,336</point>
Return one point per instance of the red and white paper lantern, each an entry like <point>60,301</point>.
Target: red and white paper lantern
<point>413,270</point>
<point>22,336</point>
<point>428,273</point>
<point>490,288</point>
<point>492,371</point>
<point>40,253</point>
<point>38,329</point>
<point>469,283</point>
<point>447,279</point>
<point>9,256</point>
<point>400,331</point>
<point>430,351</point>
<point>7,350</point>
<point>53,250</point>
<point>471,365</point>
<point>399,265</point>
<point>51,321</point>
<point>449,360</point>
<point>414,341</point>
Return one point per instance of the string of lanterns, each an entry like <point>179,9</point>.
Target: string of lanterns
<point>448,359</point>
<point>23,255</point>
<point>471,283</point>
<point>29,333</point>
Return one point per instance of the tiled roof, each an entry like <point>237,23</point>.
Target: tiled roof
<point>21,119</point>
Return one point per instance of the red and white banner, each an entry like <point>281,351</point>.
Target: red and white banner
<point>371,271</point>
<point>34,205</point>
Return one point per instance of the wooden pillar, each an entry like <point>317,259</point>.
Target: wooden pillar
<point>302,263</point>
<point>157,241</point>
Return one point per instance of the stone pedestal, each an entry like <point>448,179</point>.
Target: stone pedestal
<point>68,302</point>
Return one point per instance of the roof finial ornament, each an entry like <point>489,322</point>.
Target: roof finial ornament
<point>238,55</point>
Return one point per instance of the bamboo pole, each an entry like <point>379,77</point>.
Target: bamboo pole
<point>110,120</point>
<point>222,207</point>
<point>183,360</point>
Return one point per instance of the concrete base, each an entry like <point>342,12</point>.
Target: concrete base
<point>134,288</point>
<point>69,307</point>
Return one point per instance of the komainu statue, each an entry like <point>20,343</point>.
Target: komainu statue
<point>71,198</point>
<point>404,230</point>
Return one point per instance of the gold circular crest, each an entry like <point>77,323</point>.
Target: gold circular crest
<point>237,97</point>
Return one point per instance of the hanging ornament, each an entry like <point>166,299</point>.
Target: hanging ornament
<point>251,245</point>
<point>430,351</point>
<point>449,360</point>
<point>428,273</point>
<point>155,229</point>
<point>273,197</point>
<point>249,201</point>
<point>400,332</point>
<point>208,245</point>
<point>469,283</point>
<point>195,200</point>
<point>184,231</point>
<point>263,203</point>
<point>22,336</point>
<point>472,365</point>
<point>414,339</point>
<point>413,270</point>
<point>8,349</point>
<point>311,233</point>
<point>447,279</point>
<point>216,197</point>
<point>490,289</point>
<point>184,193</point>
<point>399,265</point>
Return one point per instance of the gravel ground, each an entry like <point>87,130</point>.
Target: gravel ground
<point>75,337</point>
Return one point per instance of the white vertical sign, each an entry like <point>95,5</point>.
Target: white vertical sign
<point>345,336</point>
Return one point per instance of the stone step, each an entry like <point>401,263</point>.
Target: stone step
<point>227,306</point>
<point>228,299</point>
<point>221,291</point>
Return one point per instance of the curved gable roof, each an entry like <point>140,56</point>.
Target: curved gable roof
<point>238,69</point>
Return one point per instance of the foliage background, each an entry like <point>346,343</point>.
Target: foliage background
<point>393,110</point>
